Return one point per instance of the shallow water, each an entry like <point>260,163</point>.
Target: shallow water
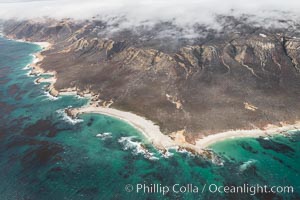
<point>46,155</point>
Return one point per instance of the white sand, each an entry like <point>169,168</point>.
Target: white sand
<point>44,45</point>
<point>147,127</point>
<point>46,80</point>
<point>162,141</point>
<point>272,130</point>
<point>68,93</point>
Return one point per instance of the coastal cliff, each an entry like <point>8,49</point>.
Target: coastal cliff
<point>244,77</point>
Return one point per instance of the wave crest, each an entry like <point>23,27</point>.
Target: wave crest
<point>136,147</point>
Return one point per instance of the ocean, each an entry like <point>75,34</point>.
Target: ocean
<point>44,154</point>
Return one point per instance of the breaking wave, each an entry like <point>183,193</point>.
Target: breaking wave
<point>136,147</point>
<point>49,96</point>
<point>104,136</point>
<point>65,117</point>
<point>247,164</point>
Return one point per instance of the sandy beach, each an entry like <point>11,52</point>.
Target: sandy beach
<point>44,45</point>
<point>162,141</point>
<point>46,80</point>
<point>147,127</point>
<point>206,141</point>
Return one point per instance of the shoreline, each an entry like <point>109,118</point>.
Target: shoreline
<point>146,127</point>
<point>37,70</point>
<point>270,130</point>
<point>149,129</point>
<point>164,142</point>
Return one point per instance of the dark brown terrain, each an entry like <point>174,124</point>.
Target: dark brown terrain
<point>240,77</point>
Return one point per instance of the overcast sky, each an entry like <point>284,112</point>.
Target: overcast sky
<point>137,11</point>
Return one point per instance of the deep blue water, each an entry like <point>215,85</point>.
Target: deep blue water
<point>46,155</point>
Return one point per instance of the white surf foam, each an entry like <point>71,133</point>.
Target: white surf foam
<point>291,132</point>
<point>217,160</point>
<point>247,164</point>
<point>67,118</point>
<point>104,136</point>
<point>29,74</point>
<point>182,150</point>
<point>27,67</point>
<point>34,60</point>
<point>266,138</point>
<point>49,96</point>
<point>136,147</point>
<point>166,154</point>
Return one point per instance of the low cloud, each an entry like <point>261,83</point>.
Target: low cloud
<point>128,13</point>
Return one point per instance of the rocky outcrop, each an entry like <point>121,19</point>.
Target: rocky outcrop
<point>292,46</point>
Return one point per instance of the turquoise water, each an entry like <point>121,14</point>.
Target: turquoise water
<point>46,155</point>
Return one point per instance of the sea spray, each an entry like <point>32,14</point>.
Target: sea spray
<point>49,96</point>
<point>136,147</point>
<point>64,116</point>
<point>104,136</point>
